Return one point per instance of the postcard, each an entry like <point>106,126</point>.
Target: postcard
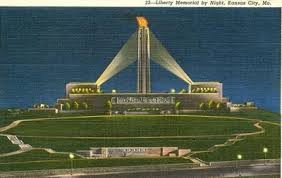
<point>152,88</point>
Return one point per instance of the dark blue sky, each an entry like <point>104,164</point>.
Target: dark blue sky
<point>42,49</point>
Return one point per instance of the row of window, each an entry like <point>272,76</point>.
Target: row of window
<point>204,90</point>
<point>135,149</point>
<point>83,90</point>
<point>143,109</point>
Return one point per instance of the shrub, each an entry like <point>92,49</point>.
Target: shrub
<point>220,106</point>
<point>109,105</point>
<point>203,106</point>
<point>66,106</point>
<point>183,91</point>
<point>212,105</point>
<point>75,105</point>
<point>177,105</point>
<point>84,105</point>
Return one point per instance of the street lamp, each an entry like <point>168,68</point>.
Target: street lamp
<point>71,156</point>
<point>239,157</point>
<point>265,150</point>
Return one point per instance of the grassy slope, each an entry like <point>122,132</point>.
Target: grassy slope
<point>7,118</point>
<point>6,146</point>
<point>84,144</point>
<point>133,126</point>
<point>33,155</point>
<point>36,160</point>
<point>252,114</point>
<point>250,148</point>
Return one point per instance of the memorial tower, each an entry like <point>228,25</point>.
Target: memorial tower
<point>143,56</point>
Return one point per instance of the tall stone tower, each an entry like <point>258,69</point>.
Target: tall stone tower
<point>143,67</point>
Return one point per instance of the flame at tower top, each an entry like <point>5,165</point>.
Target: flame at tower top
<point>142,21</point>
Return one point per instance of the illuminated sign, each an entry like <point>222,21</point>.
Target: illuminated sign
<point>143,100</point>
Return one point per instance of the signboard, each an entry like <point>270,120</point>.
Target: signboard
<point>143,100</point>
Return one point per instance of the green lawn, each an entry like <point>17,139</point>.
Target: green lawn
<point>251,114</point>
<point>8,117</point>
<point>136,126</point>
<point>73,145</point>
<point>6,146</point>
<point>33,155</point>
<point>133,126</point>
<point>250,148</point>
<point>37,159</point>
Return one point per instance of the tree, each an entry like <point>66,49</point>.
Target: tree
<point>109,106</point>
<point>220,106</point>
<point>177,105</point>
<point>84,105</point>
<point>75,105</point>
<point>212,104</point>
<point>183,91</point>
<point>203,106</point>
<point>67,106</point>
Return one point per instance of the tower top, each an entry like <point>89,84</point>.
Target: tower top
<point>142,21</point>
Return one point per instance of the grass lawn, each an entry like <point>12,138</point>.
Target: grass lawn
<point>37,160</point>
<point>251,114</point>
<point>6,146</point>
<point>33,155</point>
<point>250,148</point>
<point>72,145</point>
<point>133,126</point>
<point>8,117</point>
<point>136,126</point>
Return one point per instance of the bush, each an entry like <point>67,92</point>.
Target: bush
<point>183,91</point>
<point>212,105</point>
<point>203,106</point>
<point>75,105</point>
<point>84,105</point>
<point>220,106</point>
<point>177,105</point>
<point>66,106</point>
<point>109,105</point>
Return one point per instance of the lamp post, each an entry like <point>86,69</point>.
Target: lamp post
<point>71,156</point>
<point>265,150</point>
<point>239,157</point>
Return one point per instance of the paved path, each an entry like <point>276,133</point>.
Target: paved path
<point>229,142</point>
<point>14,140</point>
<point>232,141</point>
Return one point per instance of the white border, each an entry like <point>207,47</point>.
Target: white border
<point>129,3</point>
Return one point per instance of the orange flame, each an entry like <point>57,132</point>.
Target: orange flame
<point>142,21</point>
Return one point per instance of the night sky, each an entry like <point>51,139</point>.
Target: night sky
<point>42,49</point>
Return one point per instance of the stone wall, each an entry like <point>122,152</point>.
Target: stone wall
<point>106,152</point>
<point>97,102</point>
